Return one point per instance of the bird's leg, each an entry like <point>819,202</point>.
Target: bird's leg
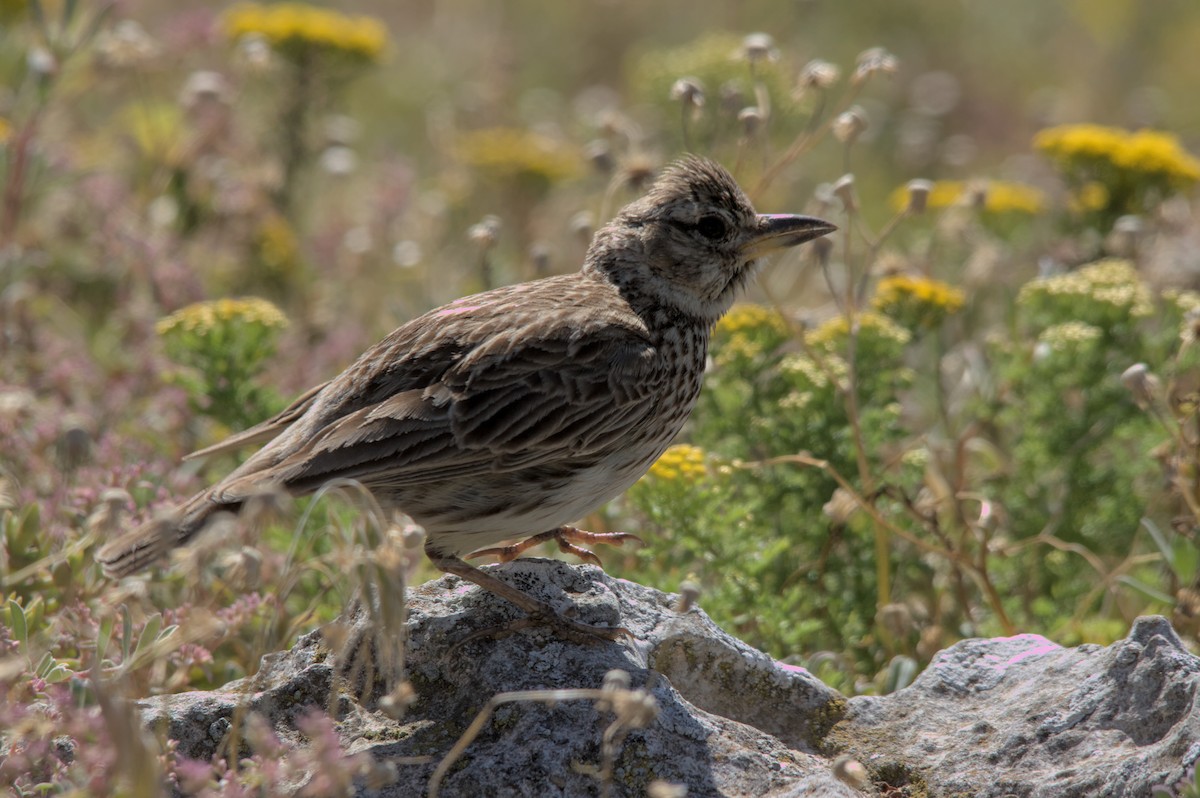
<point>538,611</point>
<point>566,537</point>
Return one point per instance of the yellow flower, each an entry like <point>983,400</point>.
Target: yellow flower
<point>1091,196</point>
<point>289,27</point>
<point>511,152</point>
<point>916,302</point>
<point>680,462</point>
<point>203,317</point>
<point>999,196</point>
<point>1146,152</point>
<point>834,331</point>
<point>752,318</point>
<point>5,130</point>
<point>1156,152</point>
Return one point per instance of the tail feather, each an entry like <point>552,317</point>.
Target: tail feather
<point>138,549</point>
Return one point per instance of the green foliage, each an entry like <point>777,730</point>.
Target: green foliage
<point>224,345</point>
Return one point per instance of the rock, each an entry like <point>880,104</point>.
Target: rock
<point>1017,716</point>
<point>1021,716</point>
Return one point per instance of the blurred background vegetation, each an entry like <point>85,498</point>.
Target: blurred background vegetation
<point>972,413</point>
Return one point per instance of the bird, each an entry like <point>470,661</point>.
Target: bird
<point>516,411</point>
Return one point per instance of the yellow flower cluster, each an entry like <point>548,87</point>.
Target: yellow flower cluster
<point>203,317</point>
<point>512,152</point>
<point>291,26</point>
<point>747,331</point>
<point>917,301</point>
<point>1000,196</point>
<point>1062,337</point>
<point>683,462</point>
<point>1144,151</point>
<point>1111,281</point>
<point>837,329</point>
<point>750,319</point>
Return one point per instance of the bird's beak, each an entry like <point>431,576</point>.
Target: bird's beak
<point>780,230</point>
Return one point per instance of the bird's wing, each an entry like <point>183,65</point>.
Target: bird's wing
<point>532,391</point>
<point>264,431</point>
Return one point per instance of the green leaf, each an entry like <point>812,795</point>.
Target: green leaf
<point>1146,589</point>
<point>104,637</point>
<point>149,634</point>
<point>1161,542</point>
<point>16,621</point>
<point>126,634</point>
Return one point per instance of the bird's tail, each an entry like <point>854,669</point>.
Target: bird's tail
<point>138,549</point>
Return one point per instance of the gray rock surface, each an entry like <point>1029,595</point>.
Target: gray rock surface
<point>1017,716</point>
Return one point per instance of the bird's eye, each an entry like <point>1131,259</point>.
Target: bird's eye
<point>711,227</point>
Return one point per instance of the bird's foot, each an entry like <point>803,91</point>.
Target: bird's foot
<point>539,612</point>
<point>566,537</point>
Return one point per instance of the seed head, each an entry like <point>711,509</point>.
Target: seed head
<point>758,47</point>
<point>817,74</point>
<point>918,195</point>
<point>871,61</point>
<point>751,119</point>
<point>843,189</point>
<point>850,124</point>
<point>689,91</point>
<point>486,232</point>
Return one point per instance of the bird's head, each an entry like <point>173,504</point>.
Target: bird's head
<point>694,239</point>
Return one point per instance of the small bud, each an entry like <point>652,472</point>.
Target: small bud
<point>871,61</point>
<point>843,189</point>
<point>486,232</point>
<point>1141,383</point>
<point>339,160</point>
<point>751,119</point>
<point>688,91</point>
<point>918,195</point>
<point>818,74</point>
<point>41,62</point>
<point>204,86</point>
<point>758,47</point>
<point>1122,241</point>
<point>850,124</point>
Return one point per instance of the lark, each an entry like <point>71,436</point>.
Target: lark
<point>514,412</point>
